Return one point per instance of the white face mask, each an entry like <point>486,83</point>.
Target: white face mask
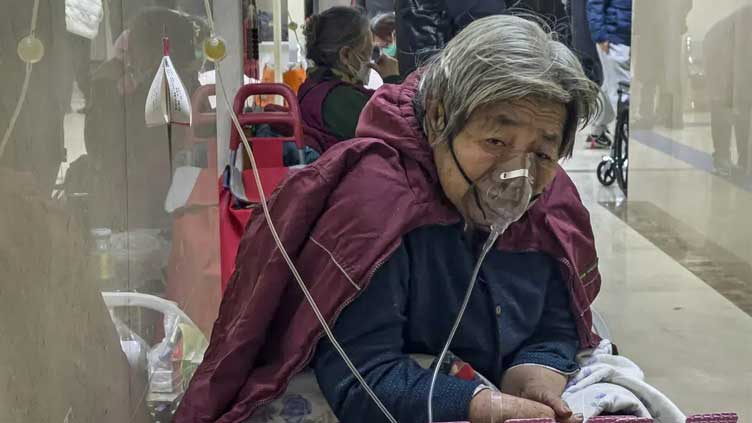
<point>359,69</point>
<point>364,73</point>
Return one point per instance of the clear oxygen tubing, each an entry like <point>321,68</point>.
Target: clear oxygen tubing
<point>492,237</point>
<point>280,246</point>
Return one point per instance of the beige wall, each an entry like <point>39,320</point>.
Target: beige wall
<point>705,13</point>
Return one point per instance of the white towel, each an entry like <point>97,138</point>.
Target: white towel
<point>608,383</point>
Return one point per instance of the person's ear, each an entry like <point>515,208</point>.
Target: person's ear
<point>436,115</point>
<point>435,120</point>
<point>344,54</point>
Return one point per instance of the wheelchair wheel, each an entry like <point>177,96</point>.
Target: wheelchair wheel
<point>606,173</point>
<point>622,161</point>
<point>622,175</point>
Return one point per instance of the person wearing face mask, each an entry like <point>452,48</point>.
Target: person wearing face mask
<point>339,45</point>
<point>383,27</point>
<point>386,229</point>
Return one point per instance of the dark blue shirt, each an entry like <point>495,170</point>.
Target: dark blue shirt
<point>518,314</point>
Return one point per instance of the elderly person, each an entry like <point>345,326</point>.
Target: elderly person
<point>339,43</point>
<point>379,230</point>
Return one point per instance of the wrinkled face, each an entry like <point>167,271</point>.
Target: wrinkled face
<point>497,133</point>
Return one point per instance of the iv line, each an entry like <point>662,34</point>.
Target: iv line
<point>280,246</point>
<point>278,241</point>
<point>486,248</point>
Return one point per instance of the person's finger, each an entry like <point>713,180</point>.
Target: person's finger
<point>574,418</point>
<point>525,408</point>
<point>534,410</point>
<point>559,406</point>
<point>382,60</point>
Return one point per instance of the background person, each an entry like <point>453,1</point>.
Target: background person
<point>611,27</point>
<point>339,43</point>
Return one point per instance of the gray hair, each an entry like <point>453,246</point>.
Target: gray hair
<point>502,58</point>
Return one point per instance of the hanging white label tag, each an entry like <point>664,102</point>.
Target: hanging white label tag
<point>168,100</point>
<point>156,100</point>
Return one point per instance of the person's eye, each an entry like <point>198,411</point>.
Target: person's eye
<point>544,156</point>
<point>493,142</point>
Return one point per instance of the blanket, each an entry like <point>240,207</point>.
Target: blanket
<point>612,384</point>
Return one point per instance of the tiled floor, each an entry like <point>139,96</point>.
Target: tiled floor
<point>713,206</point>
<point>693,344</point>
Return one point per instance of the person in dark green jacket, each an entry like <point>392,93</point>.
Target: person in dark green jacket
<point>339,43</point>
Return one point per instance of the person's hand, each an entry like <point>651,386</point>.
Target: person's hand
<point>561,409</point>
<point>542,385</point>
<point>386,66</point>
<point>483,411</point>
<point>604,46</point>
<point>520,408</point>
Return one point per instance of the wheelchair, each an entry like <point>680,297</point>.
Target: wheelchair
<point>615,167</point>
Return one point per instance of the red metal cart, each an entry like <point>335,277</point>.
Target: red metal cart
<point>239,198</point>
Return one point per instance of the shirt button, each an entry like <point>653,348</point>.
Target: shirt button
<point>498,310</point>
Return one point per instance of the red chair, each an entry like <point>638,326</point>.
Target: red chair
<point>239,197</point>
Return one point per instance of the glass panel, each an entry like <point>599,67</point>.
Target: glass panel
<point>97,205</point>
<point>690,196</point>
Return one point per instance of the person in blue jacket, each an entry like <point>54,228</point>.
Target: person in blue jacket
<point>610,24</point>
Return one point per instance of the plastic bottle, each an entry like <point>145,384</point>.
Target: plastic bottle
<point>102,238</point>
